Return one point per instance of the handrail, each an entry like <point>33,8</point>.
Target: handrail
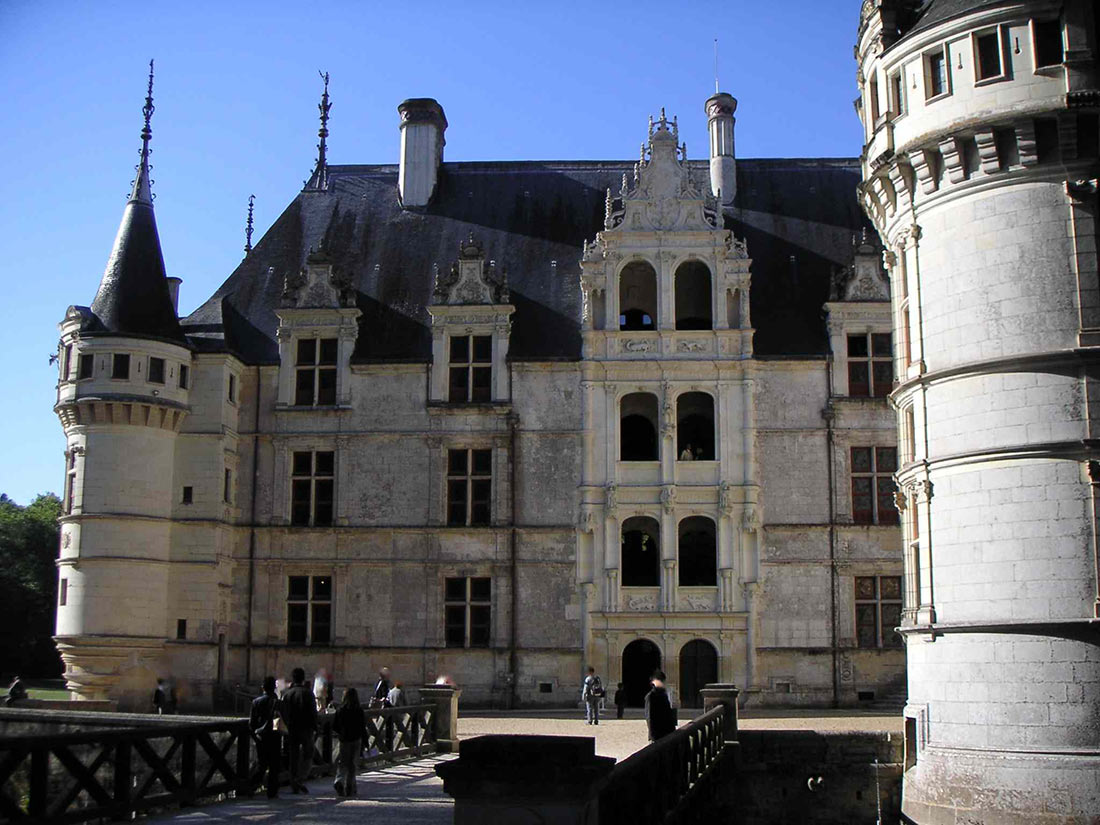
<point>671,780</point>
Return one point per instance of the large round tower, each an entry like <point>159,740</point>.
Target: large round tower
<point>980,172</point>
<point>122,397</point>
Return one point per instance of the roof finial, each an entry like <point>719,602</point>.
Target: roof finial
<point>320,173</point>
<point>248,226</point>
<point>142,190</point>
<point>716,65</point>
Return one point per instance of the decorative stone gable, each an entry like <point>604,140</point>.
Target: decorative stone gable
<point>317,285</point>
<point>864,279</point>
<point>470,280</point>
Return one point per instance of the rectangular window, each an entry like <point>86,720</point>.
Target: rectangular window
<point>185,376</point>
<point>872,94</point>
<point>315,372</point>
<point>878,611</point>
<point>912,583</point>
<point>120,365</point>
<point>181,628</point>
<point>987,56</point>
<point>467,611</point>
<point>67,363</point>
<point>63,593</point>
<point>471,368</point>
<point>70,482</point>
<point>188,495</point>
<point>309,610</point>
<point>156,371</point>
<point>311,488</point>
<point>897,93</point>
<point>231,392</point>
<point>469,487</point>
<point>1049,49</point>
<point>873,485</point>
<point>935,73</point>
<point>227,487</point>
<point>870,365</point>
<point>85,365</point>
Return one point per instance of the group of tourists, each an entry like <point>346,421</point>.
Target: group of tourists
<point>659,716</point>
<point>293,716</point>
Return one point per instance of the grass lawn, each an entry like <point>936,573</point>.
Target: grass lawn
<point>48,693</point>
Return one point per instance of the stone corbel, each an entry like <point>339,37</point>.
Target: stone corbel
<point>989,157</point>
<point>1025,140</point>
<point>923,162</point>
<point>953,159</point>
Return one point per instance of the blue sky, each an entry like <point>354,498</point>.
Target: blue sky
<point>236,114</point>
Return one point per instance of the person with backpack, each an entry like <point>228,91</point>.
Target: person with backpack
<point>591,694</point>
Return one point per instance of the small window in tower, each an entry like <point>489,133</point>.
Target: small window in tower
<point>67,363</point>
<point>988,62</point>
<point>181,628</point>
<point>63,593</point>
<point>185,376</point>
<point>231,393</point>
<point>897,94</point>
<point>872,94</point>
<point>156,371</point>
<point>1049,49</point>
<point>85,366</point>
<point>120,365</point>
<point>188,495</point>
<point>935,73</point>
<point>227,488</point>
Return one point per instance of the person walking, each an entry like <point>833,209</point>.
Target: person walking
<point>658,709</point>
<point>381,693</point>
<point>350,728</point>
<point>591,694</point>
<point>261,721</point>
<point>396,696</point>
<point>299,710</point>
<point>620,701</point>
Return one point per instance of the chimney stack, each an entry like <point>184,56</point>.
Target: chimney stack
<point>174,292</point>
<point>723,164</point>
<point>422,126</point>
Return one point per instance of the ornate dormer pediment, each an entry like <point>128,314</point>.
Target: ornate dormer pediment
<point>317,285</point>
<point>470,280</point>
<point>662,195</point>
<point>864,279</point>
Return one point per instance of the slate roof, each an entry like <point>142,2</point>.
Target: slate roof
<point>798,217</point>
<point>937,11</point>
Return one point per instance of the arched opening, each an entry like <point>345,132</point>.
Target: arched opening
<point>640,659</point>
<point>693,301</point>
<point>698,668</point>
<point>695,427</point>
<point>638,297</point>
<point>638,427</point>
<point>698,551</point>
<point>599,309</point>
<point>733,308</point>
<point>641,552</point>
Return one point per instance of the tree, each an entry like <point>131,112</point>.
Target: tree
<point>28,586</point>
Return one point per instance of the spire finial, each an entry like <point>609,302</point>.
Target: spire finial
<point>142,190</point>
<point>716,65</point>
<point>248,226</point>
<point>320,173</point>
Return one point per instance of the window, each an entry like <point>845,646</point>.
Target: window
<point>311,488</point>
<point>84,366</point>
<point>188,495</point>
<point>693,296</point>
<point>912,579</point>
<point>227,487</point>
<point>181,628</point>
<point>873,485</point>
<point>638,297</point>
<point>63,593</point>
<point>185,376</point>
<point>469,487</point>
<point>471,368</point>
<point>872,94</point>
<point>640,553</point>
<point>870,365</point>
<point>1049,49</point>
<point>905,345</point>
<point>897,94</point>
<point>231,392</point>
<point>120,365</point>
<point>638,427</point>
<point>467,611</point>
<point>315,372</point>
<point>935,73</point>
<point>70,481</point>
<point>156,371</point>
<point>309,610</point>
<point>698,553</point>
<point>987,56</point>
<point>67,362</point>
<point>878,611</point>
<point>695,427</point>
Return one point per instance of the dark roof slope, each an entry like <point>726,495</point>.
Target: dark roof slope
<point>937,11</point>
<point>533,218</point>
<point>133,297</point>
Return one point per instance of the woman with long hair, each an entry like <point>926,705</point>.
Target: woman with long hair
<point>350,727</point>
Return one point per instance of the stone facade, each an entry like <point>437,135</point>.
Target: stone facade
<point>357,461</point>
<point>980,173</point>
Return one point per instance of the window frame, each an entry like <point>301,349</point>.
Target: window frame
<point>231,389</point>
<point>163,370</point>
<point>469,477</point>
<point>930,93</point>
<point>884,640</point>
<point>869,362</point>
<point>315,478</point>
<point>227,486</point>
<point>469,604</point>
<point>320,367</point>
<point>85,359</point>
<point>70,482</point>
<point>1034,25</point>
<point>472,368</point>
<point>975,40</point>
<point>314,604</point>
<point>895,93</point>
<point>66,363</point>
<point>118,359</point>
<point>877,494</point>
<point>184,377</point>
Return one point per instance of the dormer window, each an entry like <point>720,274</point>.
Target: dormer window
<point>988,62</point>
<point>85,366</point>
<point>315,372</point>
<point>120,365</point>
<point>471,368</point>
<point>156,371</point>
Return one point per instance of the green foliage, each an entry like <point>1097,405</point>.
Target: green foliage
<point>28,586</point>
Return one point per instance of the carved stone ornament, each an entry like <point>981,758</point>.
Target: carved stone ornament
<point>691,346</point>
<point>319,284</point>
<point>668,497</point>
<point>749,519</point>
<point>611,497</point>
<point>640,602</point>
<point>470,280</point>
<point>900,501</point>
<point>637,345</point>
<point>725,498</point>
<point>696,603</point>
<point>586,520</point>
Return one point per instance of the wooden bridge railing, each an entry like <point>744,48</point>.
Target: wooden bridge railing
<point>113,772</point>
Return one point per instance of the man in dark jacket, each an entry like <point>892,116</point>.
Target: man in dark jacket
<point>261,721</point>
<point>298,708</point>
<point>658,709</point>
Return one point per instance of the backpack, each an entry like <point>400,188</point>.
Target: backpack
<point>597,688</point>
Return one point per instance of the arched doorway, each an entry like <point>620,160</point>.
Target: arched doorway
<point>640,658</point>
<point>698,668</point>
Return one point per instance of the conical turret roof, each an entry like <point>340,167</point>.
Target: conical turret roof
<point>133,297</point>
